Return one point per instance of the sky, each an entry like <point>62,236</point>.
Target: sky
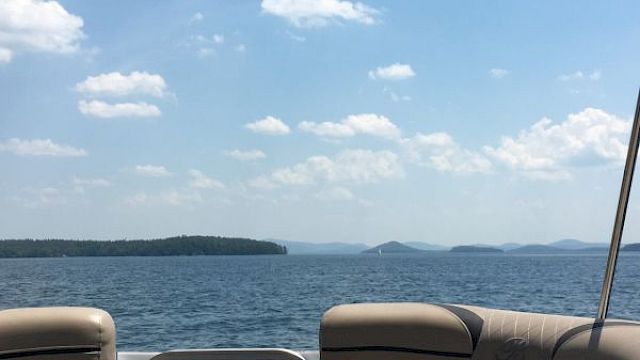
<point>316,121</point>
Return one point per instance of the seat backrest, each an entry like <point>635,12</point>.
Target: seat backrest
<point>408,331</point>
<point>57,333</point>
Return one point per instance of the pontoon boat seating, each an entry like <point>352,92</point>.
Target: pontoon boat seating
<point>57,333</point>
<point>414,331</point>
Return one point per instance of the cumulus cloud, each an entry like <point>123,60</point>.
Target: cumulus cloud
<point>40,147</point>
<point>37,26</point>
<point>245,155</point>
<point>367,124</point>
<point>548,151</point>
<point>102,109</point>
<point>117,84</point>
<point>201,181</point>
<point>441,152</point>
<point>319,13</point>
<point>348,166</point>
<point>152,170</point>
<point>392,72</point>
<point>498,73</point>
<point>269,126</point>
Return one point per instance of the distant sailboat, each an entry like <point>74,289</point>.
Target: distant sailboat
<point>380,252</point>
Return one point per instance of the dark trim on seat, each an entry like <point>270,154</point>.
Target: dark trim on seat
<point>399,349</point>
<point>471,320</point>
<point>59,351</point>
<point>586,327</point>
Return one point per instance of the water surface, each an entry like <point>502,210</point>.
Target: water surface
<point>160,303</point>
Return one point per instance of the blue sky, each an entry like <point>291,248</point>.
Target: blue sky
<point>316,120</point>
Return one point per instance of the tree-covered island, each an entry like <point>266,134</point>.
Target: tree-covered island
<point>172,246</point>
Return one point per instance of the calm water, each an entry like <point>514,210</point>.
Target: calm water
<point>252,301</point>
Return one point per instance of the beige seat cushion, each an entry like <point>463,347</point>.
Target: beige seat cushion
<point>408,331</point>
<point>57,333</point>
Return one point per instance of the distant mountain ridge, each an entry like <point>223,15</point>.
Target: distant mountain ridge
<point>337,248</point>
<point>475,249</point>
<point>392,247</point>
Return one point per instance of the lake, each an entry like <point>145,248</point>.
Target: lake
<point>160,303</point>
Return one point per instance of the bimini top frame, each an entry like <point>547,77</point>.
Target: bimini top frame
<point>618,226</point>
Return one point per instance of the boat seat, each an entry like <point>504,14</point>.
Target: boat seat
<point>412,331</point>
<point>57,333</point>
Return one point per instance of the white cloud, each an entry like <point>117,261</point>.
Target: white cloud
<point>392,72</point>
<point>498,73</point>
<point>579,75</point>
<point>547,150</point>
<point>172,197</point>
<point>319,13</point>
<point>348,166</point>
<point>5,55</point>
<point>40,147</point>
<point>196,18</point>
<point>218,39</point>
<point>102,109</point>
<point>32,197</point>
<point>269,126</point>
<point>441,152</point>
<point>152,170</point>
<point>97,182</point>
<point>117,84</point>
<point>241,48</point>
<point>367,124</point>
<point>38,26</point>
<point>246,155</point>
<point>337,193</point>
<point>201,181</point>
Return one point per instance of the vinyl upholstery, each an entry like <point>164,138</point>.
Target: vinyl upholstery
<point>57,333</point>
<point>411,331</point>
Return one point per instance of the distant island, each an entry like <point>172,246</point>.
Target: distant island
<point>631,247</point>
<point>392,247</point>
<point>474,249</point>
<point>178,245</point>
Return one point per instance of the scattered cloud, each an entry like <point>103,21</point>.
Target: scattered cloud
<point>296,37</point>
<point>102,109</point>
<point>172,197</point>
<point>40,147</point>
<point>395,97</point>
<point>37,26</point>
<point>35,197</point>
<point>548,151</point>
<point>269,126</point>
<point>315,13</point>
<point>218,38</point>
<point>196,18</point>
<point>201,181</point>
<point>5,56</point>
<point>152,170</point>
<point>498,73</point>
<point>367,124</point>
<point>245,155</point>
<point>392,72</point>
<point>441,152</point>
<point>579,75</point>
<point>241,48</point>
<point>337,193</point>
<point>97,182</point>
<point>117,84</point>
<point>348,166</point>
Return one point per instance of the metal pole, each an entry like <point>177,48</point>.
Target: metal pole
<point>618,226</point>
